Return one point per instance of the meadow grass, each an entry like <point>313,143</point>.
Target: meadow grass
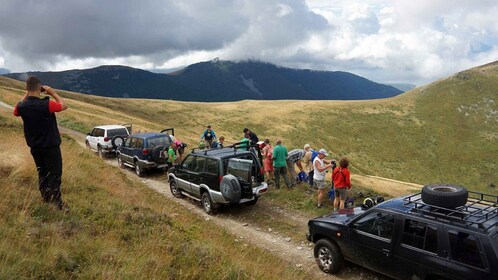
<point>117,228</point>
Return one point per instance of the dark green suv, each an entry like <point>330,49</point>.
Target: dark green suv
<point>444,232</point>
<point>231,175</point>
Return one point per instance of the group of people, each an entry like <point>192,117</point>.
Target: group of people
<point>277,161</point>
<point>42,136</point>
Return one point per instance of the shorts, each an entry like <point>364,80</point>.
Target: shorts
<point>319,184</point>
<point>341,193</point>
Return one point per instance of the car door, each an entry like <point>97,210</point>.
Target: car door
<point>94,136</point>
<point>198,175</point>
<point>417,250</point>
<point>373,233</point>
<point>184,173</point>
<point>125,150</point>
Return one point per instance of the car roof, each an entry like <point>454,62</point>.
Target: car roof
<point>476,215</point>
<point>220,153</point>
<point>110,126</point>
<point>148,135</point>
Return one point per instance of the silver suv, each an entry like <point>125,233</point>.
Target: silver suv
<point>103,139</point>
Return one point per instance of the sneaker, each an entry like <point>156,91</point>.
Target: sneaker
<point>319,205</point>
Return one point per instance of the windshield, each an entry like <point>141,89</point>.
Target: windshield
<point>158,141</point>
<point>120,131</point>
<point>240,168</point>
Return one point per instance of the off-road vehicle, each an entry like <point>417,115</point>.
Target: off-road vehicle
<point>444,232</point>
<point>230,175</point>
<point>100,139</point>
<point>144,151</point>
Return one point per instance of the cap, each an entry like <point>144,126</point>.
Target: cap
<point>306,146</point>
<point>323,151</point>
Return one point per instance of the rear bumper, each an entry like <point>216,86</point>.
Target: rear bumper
<point>261,189</point>
<point>145,164</point>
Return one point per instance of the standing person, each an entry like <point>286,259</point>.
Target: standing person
<point>267,154</point>
<point>320,166</point>
<point>279,163</point>
<point>252,136</point>
<point>244,143</point>
<point>208,136</point>
<point>342,183</point>
<point>294,157</point>
<point>308,166</point>
<point>180,148</point>
<point>172,155</point>
<point>43,137</point>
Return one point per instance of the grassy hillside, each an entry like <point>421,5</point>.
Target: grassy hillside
<point>116,229</point>
<point>444,132</point>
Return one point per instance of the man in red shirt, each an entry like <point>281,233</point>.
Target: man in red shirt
<point>42,136</point>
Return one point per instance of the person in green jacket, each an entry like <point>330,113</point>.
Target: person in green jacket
<point>171,155</point>
<point>280,164</point>
<point>244,143</point>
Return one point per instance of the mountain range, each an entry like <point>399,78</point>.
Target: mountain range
<point>216,80</point>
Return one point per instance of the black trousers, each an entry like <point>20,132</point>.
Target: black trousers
<point>49,166</point>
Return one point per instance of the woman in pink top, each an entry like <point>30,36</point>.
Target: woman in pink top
<point>267,154</point>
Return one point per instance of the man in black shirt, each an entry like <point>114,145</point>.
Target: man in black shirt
<point>42,136</point>
<point>252,136</point>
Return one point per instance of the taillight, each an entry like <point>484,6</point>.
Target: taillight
<point>220,178</point>
<point>106,139</point>
<point>145,152</point>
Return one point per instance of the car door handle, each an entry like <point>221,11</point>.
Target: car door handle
<point>386,252</point>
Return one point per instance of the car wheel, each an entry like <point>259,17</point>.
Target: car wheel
<point>100,152</point>
<point>87,145</point>
<point>207,204</point>
<point>120,162</point>
<point>328,256</point>
<point>174,189</point>
<point>140,172</point>
<point>445,195</point>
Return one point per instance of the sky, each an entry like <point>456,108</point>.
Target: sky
<point>385,41</point>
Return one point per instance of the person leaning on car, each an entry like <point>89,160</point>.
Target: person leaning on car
<point>42,136</point>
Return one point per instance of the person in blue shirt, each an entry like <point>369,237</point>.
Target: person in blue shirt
<point>208,136</point>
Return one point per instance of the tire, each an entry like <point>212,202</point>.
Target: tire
<point>328,256</point>
<point>156,154</point>
<point>139,171</point>
<point>100,152</point>
<point>120,162</point>
<point>174,189</point>
<point>87,145</point>
<point>117,141</point>
<point>207,204</point>
<point>445,195</point>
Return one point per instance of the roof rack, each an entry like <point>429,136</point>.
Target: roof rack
<point>477,212</point>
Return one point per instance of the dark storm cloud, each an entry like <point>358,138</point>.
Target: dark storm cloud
<point>106,29</point>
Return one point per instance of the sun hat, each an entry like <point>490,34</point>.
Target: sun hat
<point>324,152</point>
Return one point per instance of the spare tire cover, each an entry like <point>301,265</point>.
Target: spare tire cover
<point>444,195</point>
<point>230,188</point>
<point>117,141</point>
<point>156,154</point>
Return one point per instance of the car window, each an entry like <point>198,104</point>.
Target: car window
<point>133,143</point>
<point>127,142</point>
<point>119,131</point>
<point>465,248</point>
<point>98,132</point>
<point>158,141</point>
<point>211,166</point>
<point>420,235</point>
<point>376,223</point>
<point>188,162</point>
<point>199,164</point>
<point>139,143</point>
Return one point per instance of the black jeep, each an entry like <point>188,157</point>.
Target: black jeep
<point>444,232</point>
<point>229,175</point>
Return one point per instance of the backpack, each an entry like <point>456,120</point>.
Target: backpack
<point>313,155</point>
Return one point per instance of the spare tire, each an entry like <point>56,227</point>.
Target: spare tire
<point>445,195</point>
<point>230,188</point>
<point>117,141</point>
<point>157,154</point>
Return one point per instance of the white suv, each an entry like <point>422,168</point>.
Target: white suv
<point>103,139</point>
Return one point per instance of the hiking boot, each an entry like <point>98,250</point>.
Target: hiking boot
<point>319,205</point>
<point>63,207</point>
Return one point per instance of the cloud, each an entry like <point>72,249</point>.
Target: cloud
<point>383,40</point>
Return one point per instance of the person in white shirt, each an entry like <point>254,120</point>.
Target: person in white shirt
<point>320,166</point>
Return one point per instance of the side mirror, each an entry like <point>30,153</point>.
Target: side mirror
<point>88,133</point>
